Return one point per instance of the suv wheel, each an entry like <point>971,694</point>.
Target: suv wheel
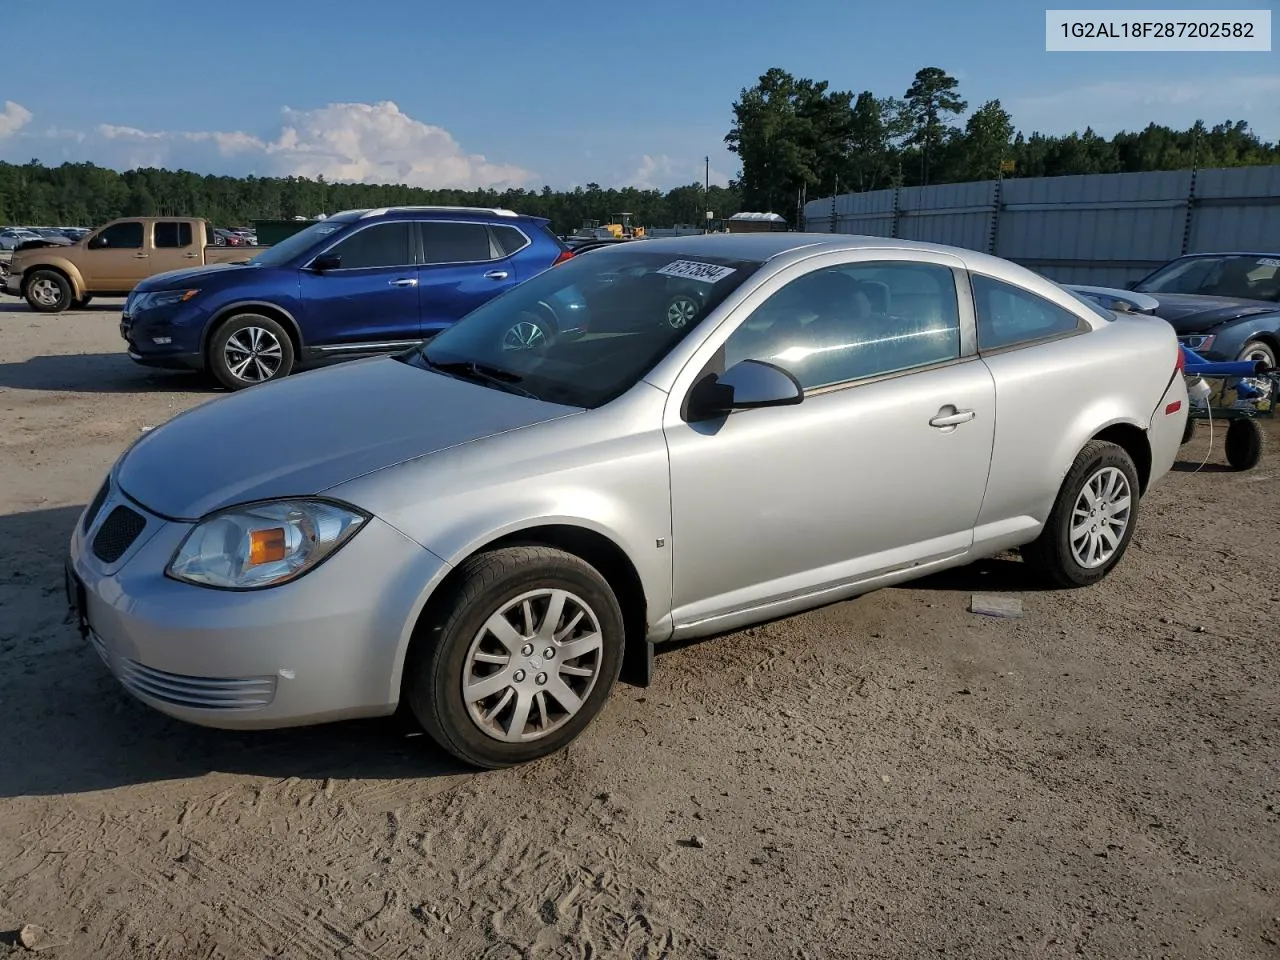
<point>250,349</point>
<point>530,332</point>
<point>48,291</point>
<point>519,659</point>
<point>1092,520</point>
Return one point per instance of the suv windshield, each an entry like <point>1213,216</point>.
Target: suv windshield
<point>288,248</point>
<point>586,331</point>
<point>1246,277</point>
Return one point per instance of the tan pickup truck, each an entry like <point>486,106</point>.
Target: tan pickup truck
<point>113,259</point>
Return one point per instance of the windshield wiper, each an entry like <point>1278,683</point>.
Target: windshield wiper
<point>481,373</point>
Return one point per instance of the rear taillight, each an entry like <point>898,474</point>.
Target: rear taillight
<point>568,255</point>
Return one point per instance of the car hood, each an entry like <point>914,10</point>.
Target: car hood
<point>1193,313</point>
<point>177,278</point>
<point>307,433</point>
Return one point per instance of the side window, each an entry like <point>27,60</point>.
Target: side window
<point>172,233</point>
<point>383,245</point>
<point>847,323</point>
<point>211,239</point>
<point>454,242</point>
<point>1008,316</point>
<point>121,236</point>
<point>509,239</point>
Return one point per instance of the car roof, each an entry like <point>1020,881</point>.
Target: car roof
<point>480,213</point>
<point>766,246</point>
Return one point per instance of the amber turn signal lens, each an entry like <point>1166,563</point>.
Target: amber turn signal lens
<point>267,546</point>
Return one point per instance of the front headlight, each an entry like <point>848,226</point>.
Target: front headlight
<point>263,544</point>
<point>161,298</point>
<point>1197,341</point>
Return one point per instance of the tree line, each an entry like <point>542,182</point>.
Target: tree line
<point>797,137</point>
<point>82,194</point>
<point>794,137</point>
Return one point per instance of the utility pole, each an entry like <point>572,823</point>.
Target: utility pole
<point>706,197</point>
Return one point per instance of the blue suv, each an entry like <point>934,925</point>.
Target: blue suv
<point>361,282</point>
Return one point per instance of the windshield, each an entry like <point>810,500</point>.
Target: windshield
<point>290,247</point>
<point>586,331</point>
<point>1246,277</point>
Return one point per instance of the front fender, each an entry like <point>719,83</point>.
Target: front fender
<point>1229,338</point>
<point>31,261</point>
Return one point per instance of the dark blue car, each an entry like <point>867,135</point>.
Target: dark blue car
<point>361,282</point>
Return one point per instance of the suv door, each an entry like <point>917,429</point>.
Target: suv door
<point>116,258</point>
<point>463,266</point>
<point>174,246</point>
<point>369,297</point>
<point>881,467</point>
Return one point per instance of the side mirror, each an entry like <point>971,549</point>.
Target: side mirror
<point>328,261</point>
<point>96,243</point>
<point>744,386</point>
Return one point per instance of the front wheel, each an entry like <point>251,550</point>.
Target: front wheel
<point>1092,520</point>
<point>519,659</point>
<point>48,291</point>
<point>250,349</point>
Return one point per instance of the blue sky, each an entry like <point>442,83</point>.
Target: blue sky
<point>511,92</point>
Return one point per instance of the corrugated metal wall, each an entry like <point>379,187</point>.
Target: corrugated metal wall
<point>1104,229</point>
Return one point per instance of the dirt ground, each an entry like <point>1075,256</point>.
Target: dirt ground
<point>889,777</point>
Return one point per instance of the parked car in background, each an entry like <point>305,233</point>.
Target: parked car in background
<point>1225,306</point>
<point>111,260</point>
<point>14,236</point>
<point>357,283</point>
<point>480,533</point>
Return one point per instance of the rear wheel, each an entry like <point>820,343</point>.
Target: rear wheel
<point>1245,441</point>
<point>249,349</point>
<point>519,659</point>
<point>1092,520</point>
<point>1189,431</point>
<point>48,291</point>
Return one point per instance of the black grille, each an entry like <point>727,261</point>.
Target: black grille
<point>96,505</point>
<point>117,532</point>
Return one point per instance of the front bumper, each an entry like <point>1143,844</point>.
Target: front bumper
<point>325,647</point>
<point>11,283</point>
<point>140,336</point>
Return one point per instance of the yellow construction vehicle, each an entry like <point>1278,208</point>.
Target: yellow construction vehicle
<point>622,228</point>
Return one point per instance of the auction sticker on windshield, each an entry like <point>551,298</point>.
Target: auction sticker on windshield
<point>693,270</point>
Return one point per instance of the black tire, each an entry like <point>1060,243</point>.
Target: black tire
<point>81,303</point>
<point>1052,556</point>
<point>234,341</point>
<point>1258,350</point>
<point>47,291</point>
<point>439,660</point>
<point>1189,431</point>
<point>1245,443</point>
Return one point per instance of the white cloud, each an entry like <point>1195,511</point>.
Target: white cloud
<point>355,142</point>
<point>661,172</point>
<point>1112,106</point>
<point>13,119</point>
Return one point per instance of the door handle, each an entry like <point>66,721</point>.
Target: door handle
<point>952,419</point>
<point>139,256</point>
<point>496,275</point>
<point>405,282</point>
<point>191,256</point>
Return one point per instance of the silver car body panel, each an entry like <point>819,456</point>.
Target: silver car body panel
<point>766,513</point>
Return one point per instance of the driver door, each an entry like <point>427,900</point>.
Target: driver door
<point>865,476</point>
<point>116,259</point>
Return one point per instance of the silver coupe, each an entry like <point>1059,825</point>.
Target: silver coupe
<point>484,530</point>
